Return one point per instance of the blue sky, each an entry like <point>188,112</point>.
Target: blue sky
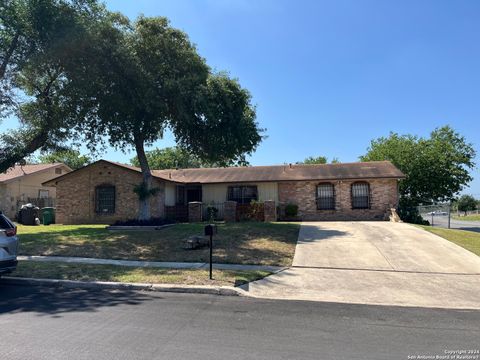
<point>329,76</point>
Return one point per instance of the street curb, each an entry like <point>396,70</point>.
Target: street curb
<point>72,284</point>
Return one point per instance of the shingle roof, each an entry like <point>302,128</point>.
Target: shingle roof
<point>358,170</point>
<point>18,171</point>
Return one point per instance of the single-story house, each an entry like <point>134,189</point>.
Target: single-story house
<point>102,192</point>
<point>22,184</point>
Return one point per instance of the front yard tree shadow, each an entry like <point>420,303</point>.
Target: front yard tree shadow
<point>55,301</point>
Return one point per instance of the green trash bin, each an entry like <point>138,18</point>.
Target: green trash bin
<point>48,215</point>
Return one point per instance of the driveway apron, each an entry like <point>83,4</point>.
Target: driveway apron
<point>376,263</point>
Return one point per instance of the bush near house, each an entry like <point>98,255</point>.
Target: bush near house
<point>291,210</point>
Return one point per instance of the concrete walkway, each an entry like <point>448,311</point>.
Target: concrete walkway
<point>376,263</point>
<point>152,264</point>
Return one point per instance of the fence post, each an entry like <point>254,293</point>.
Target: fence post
<point>195,211</point>
<point>269,211</point>
<point>449,213</point>
<point>230,211</point>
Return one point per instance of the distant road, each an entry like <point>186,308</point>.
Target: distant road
<point>442,221</point>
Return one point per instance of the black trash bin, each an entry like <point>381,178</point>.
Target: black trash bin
<point>27,215</point>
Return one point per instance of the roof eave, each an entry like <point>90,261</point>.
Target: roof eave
<point>36,172</point>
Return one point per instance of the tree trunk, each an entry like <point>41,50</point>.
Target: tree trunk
<point>144,206</point>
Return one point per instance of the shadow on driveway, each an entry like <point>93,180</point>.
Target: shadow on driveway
<point>310,233</point>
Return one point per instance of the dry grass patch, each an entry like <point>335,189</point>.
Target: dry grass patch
<point>235,243</point>
<point>87,272</point>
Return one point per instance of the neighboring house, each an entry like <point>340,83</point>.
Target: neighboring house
<point>23,184</point>
<point>102,192</point>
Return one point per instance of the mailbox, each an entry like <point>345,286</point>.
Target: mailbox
<point>210,229</point>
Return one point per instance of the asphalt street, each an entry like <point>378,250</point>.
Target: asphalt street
<point>49,323</point>
<point>442,221</point>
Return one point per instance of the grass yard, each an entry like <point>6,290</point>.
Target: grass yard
<point>235,243</point>
<point>467,218</point>
<point>87,272</point>
<point>469,240</point>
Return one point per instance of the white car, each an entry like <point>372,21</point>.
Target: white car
<point>438,213</point>
<point>8,245</point>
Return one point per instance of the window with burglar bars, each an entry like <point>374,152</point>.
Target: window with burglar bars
<point>360,196</point>
<point>105,199</point>
<point>325,197</point>
<point>242,194</point>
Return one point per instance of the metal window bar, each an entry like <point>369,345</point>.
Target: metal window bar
<point>325,197</point>
<point>360,196</point>
<point>105,199</point>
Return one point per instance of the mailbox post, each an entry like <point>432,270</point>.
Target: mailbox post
<point>211,229</point>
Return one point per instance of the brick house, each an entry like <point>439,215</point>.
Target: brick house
<point>102,192</point>
<point>22,184</point>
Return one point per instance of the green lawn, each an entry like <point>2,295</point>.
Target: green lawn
<point>469,240</point>
<point>87,272</point>
<point>235,243</point>
<point>468,217</point>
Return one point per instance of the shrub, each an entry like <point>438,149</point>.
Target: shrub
<point>411,215</point>
<point>212,212</point>
<point>256,210</point>
<point>291,210</point>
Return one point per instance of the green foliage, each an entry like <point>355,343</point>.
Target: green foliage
<point>256,210</point>
<point>177,158</point>
<point>170,158</point>
<point>291,210</point>
<point>411,214</point>
<point>466,203</point>
<point>144,192</point>
<point>70,157</point>
<point>212,212</point>
<point>138,95</point>
<point>436,168</point>
<point>318,160</point>
<point>43,45</point>
<point>150,79</point>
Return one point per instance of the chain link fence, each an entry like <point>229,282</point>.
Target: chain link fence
<point>437,215</point>
<point>445,216</point>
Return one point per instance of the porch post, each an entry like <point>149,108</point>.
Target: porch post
<point>230,211</point>
<point>195,211</point>
<point>270,211</point>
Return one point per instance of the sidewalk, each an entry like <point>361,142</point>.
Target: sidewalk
<point>153,264</point>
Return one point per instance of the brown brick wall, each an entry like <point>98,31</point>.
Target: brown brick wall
<point>383,196</point>
<point>76,195</point>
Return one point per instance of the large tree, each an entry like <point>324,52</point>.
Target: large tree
<point>436,168</point>
<point>43,44</point>
<point>466,203</point>
<point>153,79</point>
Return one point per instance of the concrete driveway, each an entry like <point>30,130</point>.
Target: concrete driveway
<point>376,263</point>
